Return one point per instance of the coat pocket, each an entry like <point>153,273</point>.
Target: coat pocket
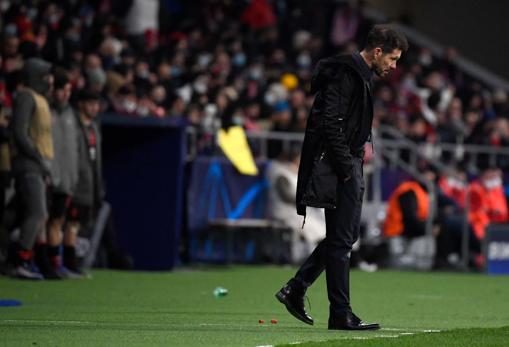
<point>322,185</point>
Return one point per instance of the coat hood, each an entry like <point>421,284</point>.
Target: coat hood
<point>330,69</point>
<point>34,72</point>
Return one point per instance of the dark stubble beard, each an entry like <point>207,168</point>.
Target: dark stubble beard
<point>379,72</point>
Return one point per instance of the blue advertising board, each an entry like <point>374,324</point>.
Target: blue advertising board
<point>497,249</point>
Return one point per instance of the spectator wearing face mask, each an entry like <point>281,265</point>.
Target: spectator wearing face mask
<point>488,203</point>
<point>454,186</point>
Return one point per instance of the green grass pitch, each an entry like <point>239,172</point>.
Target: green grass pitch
<point>179,309</point>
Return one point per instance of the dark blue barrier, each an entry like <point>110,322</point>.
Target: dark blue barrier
<point>143,168</point>
<point>218,191</point>
<point>497,249</point>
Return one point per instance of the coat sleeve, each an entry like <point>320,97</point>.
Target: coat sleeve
<point>337,97</point>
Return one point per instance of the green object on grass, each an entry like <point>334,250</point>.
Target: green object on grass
<point>219,292</point>
<point>177,309</point>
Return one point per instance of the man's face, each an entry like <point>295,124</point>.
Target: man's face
<point>430,176</point>
<point>385,62</point>
<point>62,95</point>
<point>90,108</point>
<point>492,179</point>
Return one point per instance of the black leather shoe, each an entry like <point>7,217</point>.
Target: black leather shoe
<point>294,302</point>
<point>350,322</point>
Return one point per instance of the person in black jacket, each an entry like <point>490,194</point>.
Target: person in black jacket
<point>330,171</point>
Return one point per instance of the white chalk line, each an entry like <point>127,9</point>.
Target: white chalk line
<point>370,337</point>
<point>64,322</point>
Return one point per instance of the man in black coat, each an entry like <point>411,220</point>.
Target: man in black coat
<point>330,172</point>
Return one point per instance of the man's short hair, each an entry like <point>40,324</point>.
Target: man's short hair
<point>60,78</point>
<point>387,38</point>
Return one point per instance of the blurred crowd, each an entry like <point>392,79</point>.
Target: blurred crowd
<point>219,63</point>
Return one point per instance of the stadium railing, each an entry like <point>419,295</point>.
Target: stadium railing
<point>390,145</point>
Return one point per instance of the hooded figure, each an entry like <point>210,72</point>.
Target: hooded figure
<point>32,155</point>
<point>31,121</point>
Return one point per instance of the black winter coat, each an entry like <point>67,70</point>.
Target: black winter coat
<point>338,126</point>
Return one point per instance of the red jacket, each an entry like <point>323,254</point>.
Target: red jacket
<point>486,206</point>
<point>453,191</point>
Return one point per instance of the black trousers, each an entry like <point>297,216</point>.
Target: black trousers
<point>333,252</point>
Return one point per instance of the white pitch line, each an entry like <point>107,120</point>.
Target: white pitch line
<point>403,333</point>
<point>71,322</point>
<point>394,329</point>
<point>370,337</point>
<point>413,329</point>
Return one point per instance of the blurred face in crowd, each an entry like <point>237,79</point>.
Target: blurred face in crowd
<point>194,115</point>
<point>435,81</point>
<point>383,63</point>
<point>178,107</point>
<point>221,101</point>
<point>93,61</point>
<point>492,179</point>
<point>455,108</point>
<point>472,117</point>
<point>158,94</point>
<point>429,175</point>
<point>164,71</point>
<point>142,69</point>
<point>11,46</point>
<point>456,179</point>
<point>418,129</point>
<point>298,98</point>
<point>252,111</point>
<point>62,95</point>
<point>89,108</point>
